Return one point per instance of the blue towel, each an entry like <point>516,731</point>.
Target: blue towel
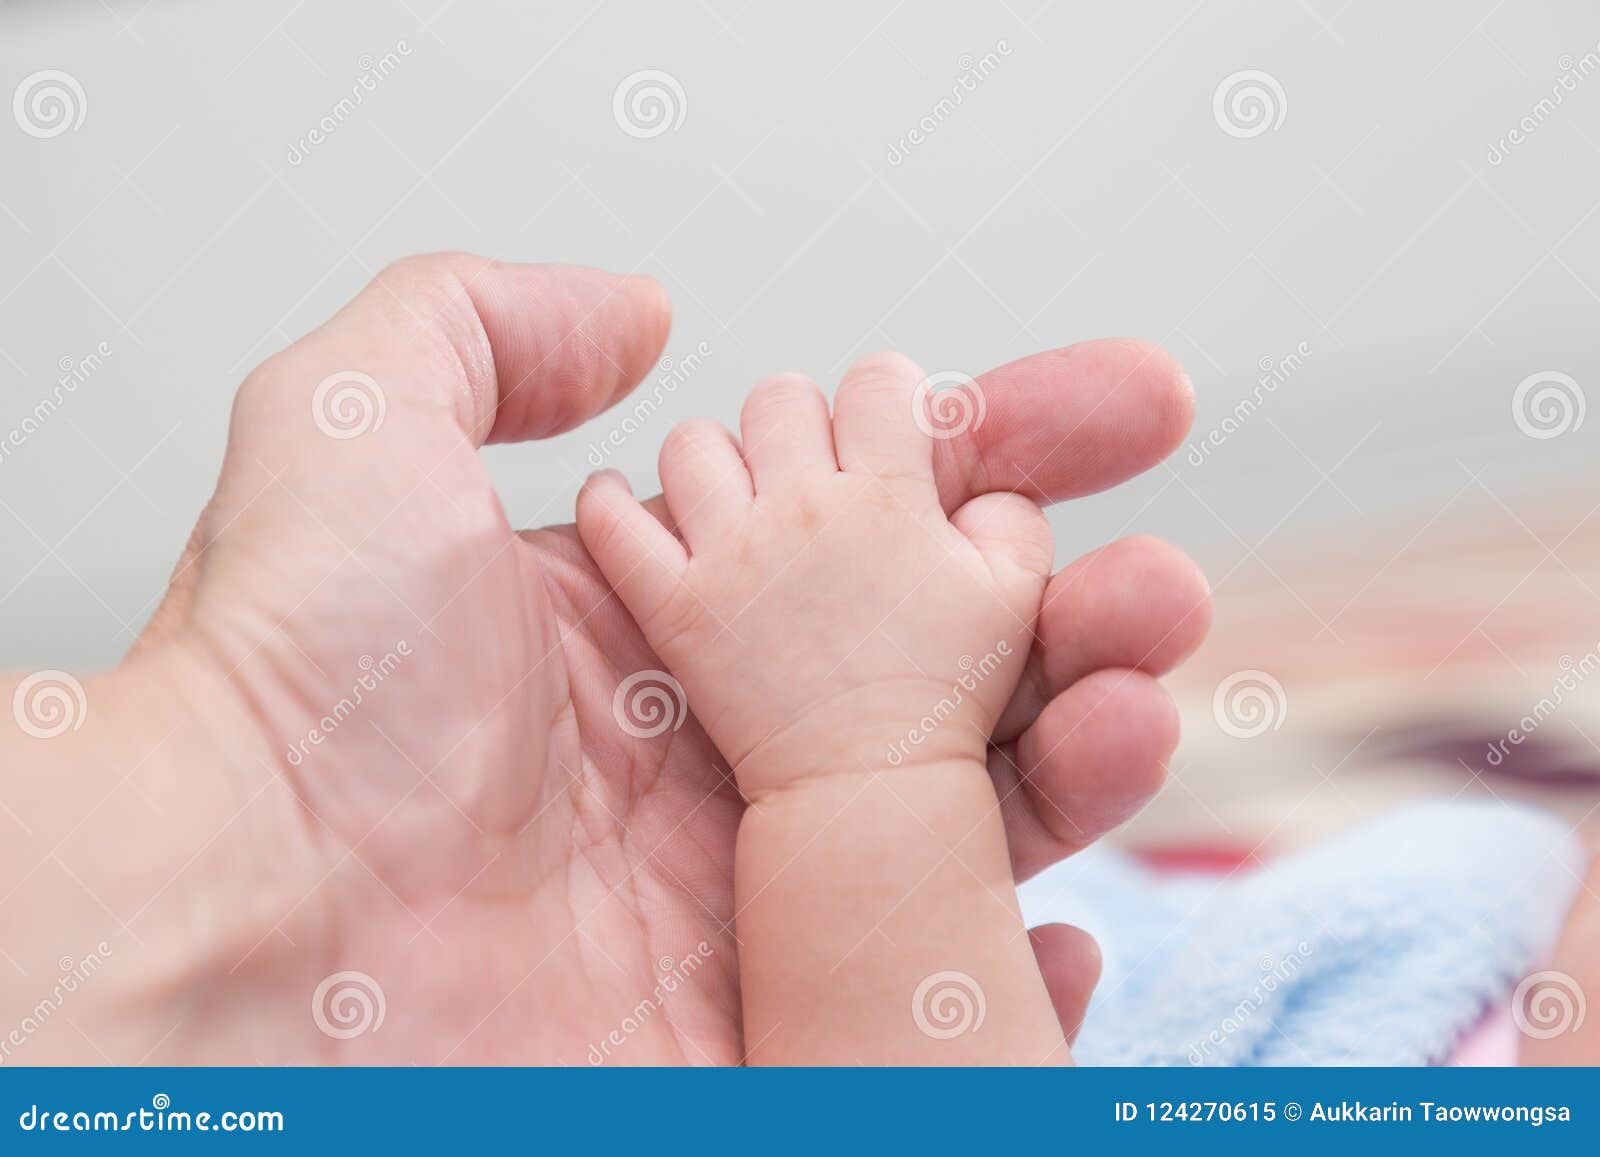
<point>1382,946</point>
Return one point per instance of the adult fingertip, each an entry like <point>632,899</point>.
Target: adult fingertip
<point>1169,391</point>
<point>1069,422</point>
<point>653,301</point>
<point>1100,749</point>
<point>1070,964</point>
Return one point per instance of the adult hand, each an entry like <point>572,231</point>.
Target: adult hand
<point>366,792</point>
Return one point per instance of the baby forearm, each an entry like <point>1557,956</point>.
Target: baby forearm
<point>878,924</point>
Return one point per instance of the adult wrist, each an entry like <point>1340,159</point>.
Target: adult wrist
<point>142,864</point>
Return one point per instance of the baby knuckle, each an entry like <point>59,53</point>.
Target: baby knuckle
<point>607,536</point>
<point>785,387</point>
<point>884,370</point>
<point>675,617</point>
<point>689,437</point>
<point>1036,551</point>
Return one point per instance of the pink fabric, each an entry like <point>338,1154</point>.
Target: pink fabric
<point>1493,1042</point>
<point>1203,858</point>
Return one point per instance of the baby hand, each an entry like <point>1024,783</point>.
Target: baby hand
<point>828,623</point>
<point>821,611</point>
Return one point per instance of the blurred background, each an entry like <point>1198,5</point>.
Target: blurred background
<point>1369,230</point>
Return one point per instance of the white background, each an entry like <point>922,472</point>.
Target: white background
<point>1083,188</point>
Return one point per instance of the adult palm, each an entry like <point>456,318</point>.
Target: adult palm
<point>398,811</point>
